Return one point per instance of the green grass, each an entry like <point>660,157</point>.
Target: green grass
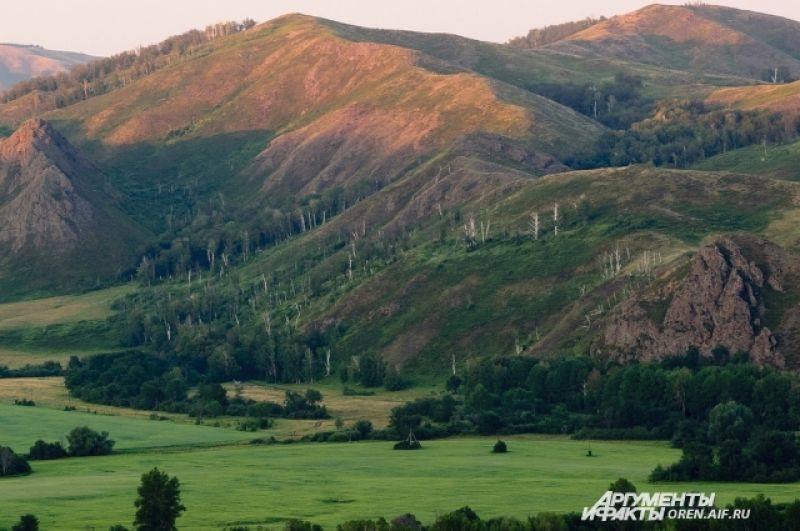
<point>16,358</point>
<point>23,425</point>
<point>781,161</point>
<point>94,305</point>
<point>55,328</point>
<point>330,483</point>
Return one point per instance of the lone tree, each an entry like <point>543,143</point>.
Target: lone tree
<point>159,502</point>
<point>84,441</point>
<point>500,447</point>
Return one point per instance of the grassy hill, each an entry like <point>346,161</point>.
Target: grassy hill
<point>447,296</point>
<point>334,112</point>
<point>783,98</point>
<point>700,38</point>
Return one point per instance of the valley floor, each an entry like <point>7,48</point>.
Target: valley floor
<point>226,481</point>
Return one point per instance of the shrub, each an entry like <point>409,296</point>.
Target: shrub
<point>453,383</point>
<point>349,391</point>
<point>363,427</point>
<point>12,464</point>
<point>301,525</point>
<point>313,395</point>
<point>393,381</point>
<point>43,450</point>
<point>406,522</point>
<point>27,522</point>
<point>254,424</point>
<point>408,445</point>
<point>84,441</point>
<point>500,447</point>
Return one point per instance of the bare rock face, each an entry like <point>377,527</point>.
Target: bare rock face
<point>721,301</point>
<point>40,205</point>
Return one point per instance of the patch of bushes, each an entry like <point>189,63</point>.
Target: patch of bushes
<point>12,464</point>
<point>349,391</point>
<point>84,441</point>
<point>254,424</point>
<point>48,368</point>
<point>42,451</point>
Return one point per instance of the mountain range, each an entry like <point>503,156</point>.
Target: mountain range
<point>423,196</point>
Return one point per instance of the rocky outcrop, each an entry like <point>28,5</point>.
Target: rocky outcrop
<point>721,301</point>
<point>40,204</point>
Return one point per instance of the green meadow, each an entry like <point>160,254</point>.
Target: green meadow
<point>21,426</point>
<point>229,484</point>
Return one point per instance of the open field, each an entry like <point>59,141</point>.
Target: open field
<point>375,408</point>
<point>19,357</point>
<point>55,328</point>
<point>50,393</point>
<point>91,306</point>
<point>15,358</point>
<point>23,425</point>
<point>330,483</point>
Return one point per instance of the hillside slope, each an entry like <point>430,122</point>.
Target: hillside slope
<point>18,63</point>
<point>451,297</point>
<point>699,38</point>
<point>783,98</point>
<point>324,112</point>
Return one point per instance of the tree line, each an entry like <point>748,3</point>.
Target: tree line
<point>735,421</point>
<point>146,381</point>
<point>82,442</point>
<point>538,37</point>
<point>104,75</point>
<point>682,133</point>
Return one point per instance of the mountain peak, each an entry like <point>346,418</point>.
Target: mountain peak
<point>53,202</point>
<point>35,134</point>
<point>680,24</point>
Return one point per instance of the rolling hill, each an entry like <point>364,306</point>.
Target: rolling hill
<point>318,110</point>
<point>699,38</point>
<point>360,190</point>
<point>784,98</point>
<point>19,63</point>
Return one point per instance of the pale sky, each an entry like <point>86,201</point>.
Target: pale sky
<point>104,27</point>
